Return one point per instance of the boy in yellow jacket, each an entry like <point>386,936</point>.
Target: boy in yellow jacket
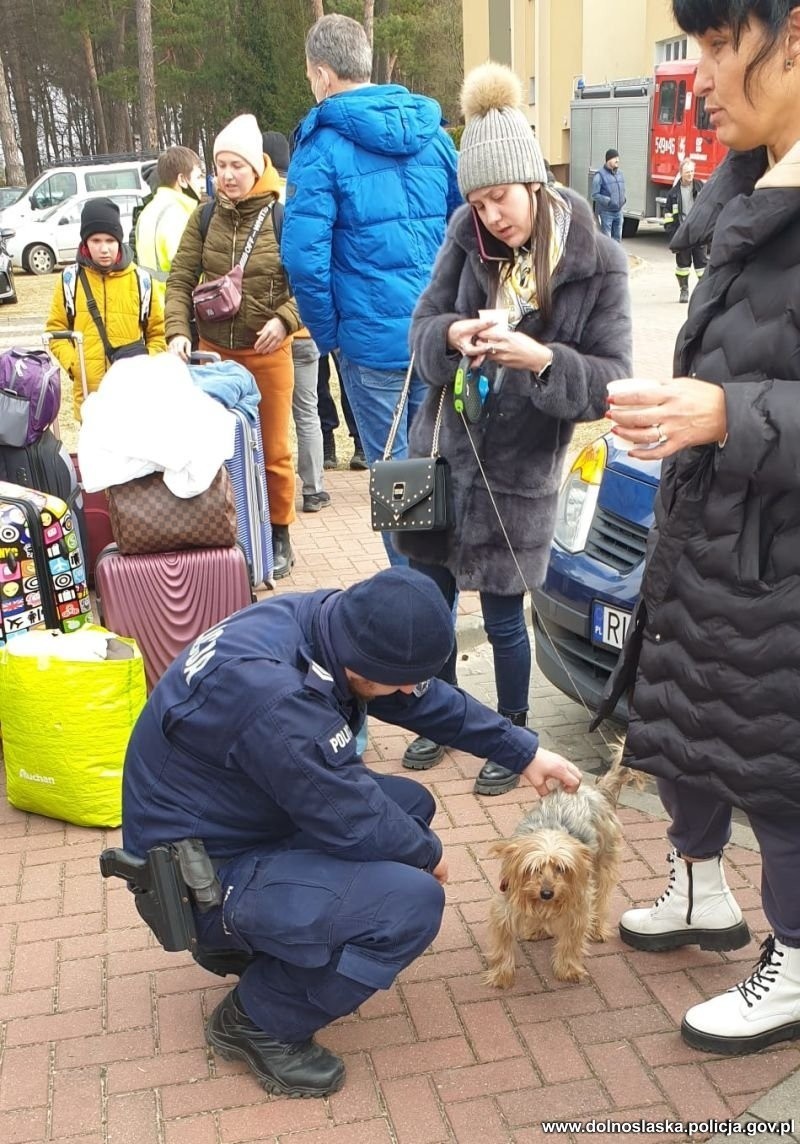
<point>129,316</point>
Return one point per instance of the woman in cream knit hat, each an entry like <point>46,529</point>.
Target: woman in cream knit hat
<point>258,336</point>
<point>532,252</point>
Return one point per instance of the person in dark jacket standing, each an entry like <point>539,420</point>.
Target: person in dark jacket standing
<point>608,194</point>
<point>331,876</point>
<point>714,651</point>
<point>533,254</point>
<point>370,187</point>
<point>680,201</point>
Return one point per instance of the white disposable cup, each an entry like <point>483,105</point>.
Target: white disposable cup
<point>496,317</point>
<point>630,385</point>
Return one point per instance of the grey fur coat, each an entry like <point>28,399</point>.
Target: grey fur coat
<point>523,435</point>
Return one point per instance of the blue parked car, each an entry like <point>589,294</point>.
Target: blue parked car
<point>582,611</point>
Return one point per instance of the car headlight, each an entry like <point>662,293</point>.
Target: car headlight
<point>578,497</point>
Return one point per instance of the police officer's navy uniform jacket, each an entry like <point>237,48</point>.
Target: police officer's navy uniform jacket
<point>248,742</point>
<point>250,737</point>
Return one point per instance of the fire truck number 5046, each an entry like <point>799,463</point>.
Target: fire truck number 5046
<point>664,145</point>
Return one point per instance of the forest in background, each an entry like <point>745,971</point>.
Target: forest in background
<point>88,77</point>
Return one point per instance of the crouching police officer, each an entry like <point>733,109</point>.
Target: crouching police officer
<point>330,874</point>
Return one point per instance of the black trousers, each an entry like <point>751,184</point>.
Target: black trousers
<point>326,406</point>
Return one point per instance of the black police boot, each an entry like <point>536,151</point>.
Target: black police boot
<point>422,754</point>
<point>492,778</point>
<point>329,459</point>
<point>358,462</point>
<point>282,555</point>
<point>299,1068</point>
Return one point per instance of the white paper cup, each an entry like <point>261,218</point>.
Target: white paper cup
<point>496,317</point>
<point>631,385</point>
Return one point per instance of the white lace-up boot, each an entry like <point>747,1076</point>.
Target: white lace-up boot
<point>697,908</point>
<point>762,1009</point>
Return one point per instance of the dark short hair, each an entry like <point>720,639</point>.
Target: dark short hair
<point>696,17</point>
<point>612,153</point>
<point>173,162</point>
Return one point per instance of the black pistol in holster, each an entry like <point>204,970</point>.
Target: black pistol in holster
<point>165,885</point>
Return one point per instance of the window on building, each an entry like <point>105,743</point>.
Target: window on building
<point>681,104</point>
<point>671,50</point>
<point>666,101</point>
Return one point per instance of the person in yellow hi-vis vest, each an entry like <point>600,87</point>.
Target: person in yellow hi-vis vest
<point>158,230</point>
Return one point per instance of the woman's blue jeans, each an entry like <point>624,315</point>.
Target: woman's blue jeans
<point>373,395</point>
<point>504,623</point>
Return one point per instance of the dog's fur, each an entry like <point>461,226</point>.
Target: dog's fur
<point>558,873</point>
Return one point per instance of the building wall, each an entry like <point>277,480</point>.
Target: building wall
<point>550,43</point>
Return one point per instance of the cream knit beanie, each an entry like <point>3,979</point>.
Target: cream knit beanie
<point>498,145</point>
<point>242,137</point>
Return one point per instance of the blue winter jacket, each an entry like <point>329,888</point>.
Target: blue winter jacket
<point>250,737</point>
<point>370,187</point>
<point>608,190</point>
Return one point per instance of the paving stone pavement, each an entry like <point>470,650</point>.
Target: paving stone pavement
<point>101,1032</point>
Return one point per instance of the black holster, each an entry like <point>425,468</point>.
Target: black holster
<point>165,885</point>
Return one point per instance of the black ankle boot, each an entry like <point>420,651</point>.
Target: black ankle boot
<point>282,555</point>
<point>422,754</point>
<point>299,1068</point>
<point>492,778</point>
<point>329,459</point>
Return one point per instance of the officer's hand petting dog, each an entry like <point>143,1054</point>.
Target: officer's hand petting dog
<point>548,771</point>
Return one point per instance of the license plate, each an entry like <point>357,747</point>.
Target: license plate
<point>609,625</point>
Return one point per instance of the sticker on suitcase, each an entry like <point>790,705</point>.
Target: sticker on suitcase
<point>42,575</point>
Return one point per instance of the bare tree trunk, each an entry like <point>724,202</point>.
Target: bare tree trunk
<point>15,172</point>
<point>94,90</point>
<point>120,138</point>
<point>382,65</point>
<point>317,10</point>
<point>148,122</point>
<point>369,18</point>
<point>18,71</point>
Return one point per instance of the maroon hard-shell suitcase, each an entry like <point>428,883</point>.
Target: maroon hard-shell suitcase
<point>96,523</point>
<point>165,600</point>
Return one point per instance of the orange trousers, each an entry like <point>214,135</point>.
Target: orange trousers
<point>274,374</point>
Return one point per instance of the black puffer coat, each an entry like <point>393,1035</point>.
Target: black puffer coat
<point>717,662</point>
<point>523,438</point>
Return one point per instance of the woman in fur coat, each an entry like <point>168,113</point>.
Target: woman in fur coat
<point>535,253</point>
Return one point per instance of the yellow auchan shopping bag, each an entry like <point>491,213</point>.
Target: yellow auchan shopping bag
<point>68,703</point>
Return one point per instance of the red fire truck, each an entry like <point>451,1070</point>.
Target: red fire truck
<point>654,123</point>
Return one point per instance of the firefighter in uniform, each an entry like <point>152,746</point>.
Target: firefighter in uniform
<point>680,201</point>
<point>330,875</point>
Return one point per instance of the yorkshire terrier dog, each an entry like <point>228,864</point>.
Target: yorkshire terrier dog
<point>558,872</point>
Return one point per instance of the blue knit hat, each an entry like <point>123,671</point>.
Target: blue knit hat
<point>395,627</point>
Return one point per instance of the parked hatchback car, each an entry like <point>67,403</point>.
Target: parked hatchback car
<point>39,244</point>
<point>583,609</point>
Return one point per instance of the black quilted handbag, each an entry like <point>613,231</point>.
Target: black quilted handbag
<point>411,495</point>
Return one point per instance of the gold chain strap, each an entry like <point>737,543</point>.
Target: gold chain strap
<point>398,413</point>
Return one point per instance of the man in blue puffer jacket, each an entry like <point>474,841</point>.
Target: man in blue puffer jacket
<point>369,190</point>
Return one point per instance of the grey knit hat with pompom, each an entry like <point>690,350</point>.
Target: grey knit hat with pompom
<point>498,145</point>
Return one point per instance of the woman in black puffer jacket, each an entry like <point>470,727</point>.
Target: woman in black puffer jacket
<point>714,656</point>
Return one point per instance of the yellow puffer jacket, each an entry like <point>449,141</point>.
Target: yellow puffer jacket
<point>116,293</point>
<point>265,289</point>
